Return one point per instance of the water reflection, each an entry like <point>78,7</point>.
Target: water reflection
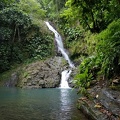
<point>65,99</point>
<point>39,104</point>
<point>65,104</point>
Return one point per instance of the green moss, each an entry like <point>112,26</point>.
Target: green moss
<point>5,76</point>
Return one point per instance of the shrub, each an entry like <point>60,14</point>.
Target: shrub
<point>106,59</point>
<point>40,46</point>
<point>109,48</point>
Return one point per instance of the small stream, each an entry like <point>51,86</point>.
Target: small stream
<point>39,104</point>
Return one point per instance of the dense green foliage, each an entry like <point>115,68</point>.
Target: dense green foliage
<point>108,49</point>
<point>21,36</point>
<point>105,62</point>
<point>92,36</point>
<point>94,15</point>
<point>91,30</point>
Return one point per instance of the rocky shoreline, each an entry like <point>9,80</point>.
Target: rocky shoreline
<point>103,104</point>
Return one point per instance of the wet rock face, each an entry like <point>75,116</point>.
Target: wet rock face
<point>104,105</point>
<point>71,79</point>
<point>12,81</point>
<point>111,100</point>
<point>45,74</point>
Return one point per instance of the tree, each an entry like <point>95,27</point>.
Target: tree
<point>94,15</point>
<point>4,3</point>
<point>52,8</point>
<point>33,8</point>
<point>20,33</point>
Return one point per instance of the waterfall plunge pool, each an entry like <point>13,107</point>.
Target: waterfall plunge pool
<point>39,104</point>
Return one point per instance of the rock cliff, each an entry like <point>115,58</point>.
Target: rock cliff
<point>44,74</point>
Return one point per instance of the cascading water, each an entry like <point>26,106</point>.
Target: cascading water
<point>65,76</point>
<point>65,73</point>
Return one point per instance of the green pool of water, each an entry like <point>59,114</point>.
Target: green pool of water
<point>39,104</point>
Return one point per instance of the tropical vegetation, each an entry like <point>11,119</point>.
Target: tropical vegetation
<point>91,30</point>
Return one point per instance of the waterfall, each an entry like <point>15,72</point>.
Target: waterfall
<point>65,76</point>
<point>66,73</point>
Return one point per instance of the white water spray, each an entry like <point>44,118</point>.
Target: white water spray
<point>65,76</point>
<point>65,73</point>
